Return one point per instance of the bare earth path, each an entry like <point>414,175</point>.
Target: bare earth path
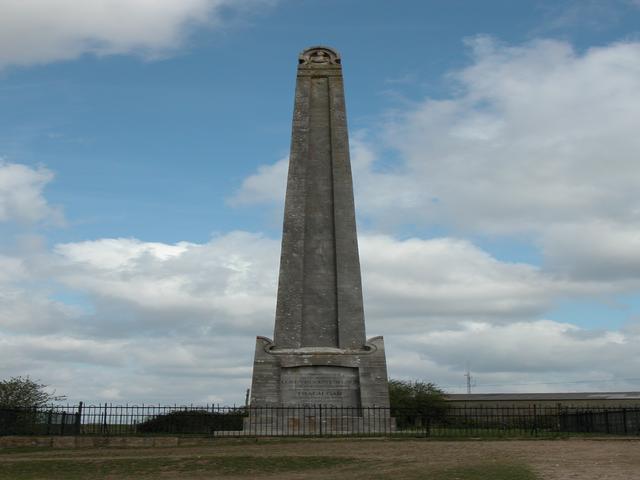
<point>357,459</point>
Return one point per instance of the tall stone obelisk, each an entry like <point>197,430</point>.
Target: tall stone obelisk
<point>319,354</point>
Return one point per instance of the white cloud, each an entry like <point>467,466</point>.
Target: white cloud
<point>126,320</point>
<point>536,141</point>
<point>225,284</point>
<point>41,31</point>
<point>586,14</point>
<point>267,185</point>
<point>602,250</point>
<point>11,269</point>
<point>230,282</point>
<point>21,194</point>
<point>538,135</point>
<point>177,322</point>
<point>25,308</point>
<point>164,370</point>
<point>539,140</point>
<point>534,355</point>
<point>539,346</point>
<point>416,285</point>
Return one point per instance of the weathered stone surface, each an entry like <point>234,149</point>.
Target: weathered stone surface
<point>319,290</point>
<point>281,375</point>
<point>320,384</point>
<point>319,355</point>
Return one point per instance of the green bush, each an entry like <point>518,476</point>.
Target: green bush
<point>416,404</point>
<point>18,421</point>
<point>193,421</point>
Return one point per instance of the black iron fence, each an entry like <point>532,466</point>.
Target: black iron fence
<point>214,420</point>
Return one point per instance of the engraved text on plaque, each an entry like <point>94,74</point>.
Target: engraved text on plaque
<point>320,385</point>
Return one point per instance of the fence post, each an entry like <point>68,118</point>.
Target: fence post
<point>535,419</point>
<point>63,422</point>
<point>624,420</point>
<point>104,422</point>
<point>79,418</point>
<point>49,420</point>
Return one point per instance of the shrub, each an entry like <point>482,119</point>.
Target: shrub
<point>416,403</point>
<point>193,421</point>
<point>18,421</point>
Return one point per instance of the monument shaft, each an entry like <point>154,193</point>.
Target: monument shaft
<point>319,355</point>
<point>319,290</point>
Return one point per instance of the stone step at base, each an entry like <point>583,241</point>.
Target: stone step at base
<point>317,425</point>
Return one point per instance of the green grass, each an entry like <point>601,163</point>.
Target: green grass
<point>13,450</point>
<point>485,472</point>
<point>452,432</point>
<point>71,469</point>
<point>506,471</point>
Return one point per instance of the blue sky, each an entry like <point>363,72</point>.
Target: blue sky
<point>143,151</point>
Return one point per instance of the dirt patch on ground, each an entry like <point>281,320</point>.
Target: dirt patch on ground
<point>365,459</point>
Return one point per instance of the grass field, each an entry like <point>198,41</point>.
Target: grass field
<point>336,458</point>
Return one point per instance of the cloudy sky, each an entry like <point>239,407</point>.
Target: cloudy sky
<point>143,158</point>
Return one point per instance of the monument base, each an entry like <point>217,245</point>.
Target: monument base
<point>317,421</point>
<point>315,390</point>
<point>311,376</point>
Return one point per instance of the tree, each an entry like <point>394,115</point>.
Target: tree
<point>22,392</point>
<point>413,403</point>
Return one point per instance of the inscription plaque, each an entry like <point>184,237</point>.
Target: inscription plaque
<point>320,385</point>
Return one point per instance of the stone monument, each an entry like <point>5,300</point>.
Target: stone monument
<point>319,355</point>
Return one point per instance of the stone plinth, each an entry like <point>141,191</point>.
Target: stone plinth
<point>301,421</point>
<point>312,376</point>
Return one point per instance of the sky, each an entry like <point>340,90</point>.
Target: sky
<point>143,161</point>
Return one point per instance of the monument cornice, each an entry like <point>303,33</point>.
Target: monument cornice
<point>319,56</point>
<point>270,347</point>
<point>317,72</point>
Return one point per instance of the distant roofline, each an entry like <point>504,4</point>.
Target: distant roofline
<point>546,396</point>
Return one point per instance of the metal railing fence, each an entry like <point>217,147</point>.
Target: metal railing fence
<point>318,420</point>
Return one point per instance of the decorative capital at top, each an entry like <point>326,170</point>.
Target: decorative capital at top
<point>319,56</point>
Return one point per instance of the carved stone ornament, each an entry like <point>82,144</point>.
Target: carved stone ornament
<point>319,56</point>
